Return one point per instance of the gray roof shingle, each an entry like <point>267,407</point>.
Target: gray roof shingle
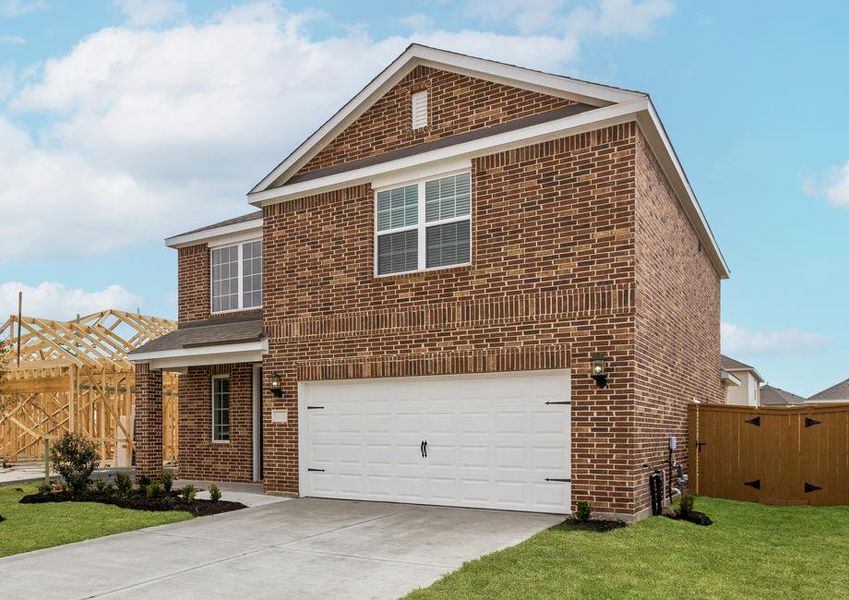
<point>729,364</point>
<point>839,391</point>
<point>211,332</point>
<point>773,396</point>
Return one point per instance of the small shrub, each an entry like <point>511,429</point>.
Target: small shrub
<point>109,488</point>
<point>214,493</point>
<point>124,484</point>
<point>188,493</point>
<point>75,458</point>
<point>143,481</point>
<point>153,489</point>
<point>686,504</point>
<point>583,511</point>
<point>100,485</point>
<point>167,482</point>
<point>45,487</point>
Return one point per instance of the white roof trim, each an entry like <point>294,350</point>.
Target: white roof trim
<point>729,378</point>
<point>593,119</point>
<point>751,370</point>
<point>415,55</point>
<point>203,355</point>
<point>640,110</point>
<point>212,234</point>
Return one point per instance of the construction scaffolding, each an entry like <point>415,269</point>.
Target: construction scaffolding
<point>74,376</point>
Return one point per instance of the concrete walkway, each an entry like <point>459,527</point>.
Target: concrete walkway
<point>304,548</point>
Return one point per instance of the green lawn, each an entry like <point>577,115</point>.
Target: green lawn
<point>751,551</point>
<point>33,526</point>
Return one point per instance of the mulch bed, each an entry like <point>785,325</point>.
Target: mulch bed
<point>135,501</point>
<point>597,525</point>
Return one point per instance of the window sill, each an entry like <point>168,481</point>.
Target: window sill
<point>464,266</point>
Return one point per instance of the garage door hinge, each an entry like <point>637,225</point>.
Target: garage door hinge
<point>316,470</point>
<point>313,407</point>
<point>562,402</point>
<point>558,480</point>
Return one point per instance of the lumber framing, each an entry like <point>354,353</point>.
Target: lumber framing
<point>74,376</point>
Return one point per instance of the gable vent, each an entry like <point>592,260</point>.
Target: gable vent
<point>419,100</point>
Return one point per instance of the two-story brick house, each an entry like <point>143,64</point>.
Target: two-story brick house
<point>414,312</point>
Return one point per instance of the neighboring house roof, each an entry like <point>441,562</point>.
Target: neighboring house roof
<point>839,391</point>
<point>210,332</point>
<point>773,396</point>
<point>732,365</point>
<point>612,106</point>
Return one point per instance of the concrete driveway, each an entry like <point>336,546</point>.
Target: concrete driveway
<point>305,548</point>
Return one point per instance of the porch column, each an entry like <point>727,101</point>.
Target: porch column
<point>147,435</point>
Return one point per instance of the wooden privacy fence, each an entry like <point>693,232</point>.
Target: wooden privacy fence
<point>74,376</point>
<point>771,455</point>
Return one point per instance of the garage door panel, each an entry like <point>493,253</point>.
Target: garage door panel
<point>491,440</point>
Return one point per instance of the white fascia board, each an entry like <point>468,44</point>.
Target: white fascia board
<point>753,371</point>
<point>653,129</point>
<point>250,229</point>
<point>581,91</point>
<point>187,356</point>
<point>730,379</point>
<point>571,125</point>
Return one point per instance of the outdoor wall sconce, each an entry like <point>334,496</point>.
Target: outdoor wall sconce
<point>275,385</point>
<point>598,369</point>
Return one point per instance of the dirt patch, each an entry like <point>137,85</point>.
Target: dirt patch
<point>136,501</point>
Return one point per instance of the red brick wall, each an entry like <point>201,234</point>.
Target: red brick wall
<point>148,422</point>
<point>456,104</point>
<point>193,276</point>
<point>677,342</point>
<point>199,457</point>
<point>552,281</point>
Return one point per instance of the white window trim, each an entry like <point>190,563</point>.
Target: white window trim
<point>241,307</point>
<point>422,225</point>
<point>212,408</point>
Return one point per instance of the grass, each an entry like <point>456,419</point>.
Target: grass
<point>34,526</point>
<point>751,551</point>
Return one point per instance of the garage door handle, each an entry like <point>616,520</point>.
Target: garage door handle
<point>423,448</point>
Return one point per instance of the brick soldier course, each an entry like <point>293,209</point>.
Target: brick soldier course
<point>579,245</point>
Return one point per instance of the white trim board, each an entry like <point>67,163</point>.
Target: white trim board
<point>415,55</point>
<point>203,355</point>
<point>219,236</point>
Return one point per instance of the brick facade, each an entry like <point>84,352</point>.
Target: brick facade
<point>677,342</point>
<point>579,246</point>
<point>199,456</point>
<point>148,421</point>
<point>456,104</point>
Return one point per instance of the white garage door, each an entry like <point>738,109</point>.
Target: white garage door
<point>487,441</point>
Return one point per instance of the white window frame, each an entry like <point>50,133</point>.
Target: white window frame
<point>212,408</point>
<point>422,225</point>
<point>240,244</point>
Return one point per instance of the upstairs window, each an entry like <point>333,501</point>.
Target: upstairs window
<point>426,225</point>
<point>237,276</point>
<point>419,105</point>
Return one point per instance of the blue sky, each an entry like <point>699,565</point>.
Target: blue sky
<point>124,122</point>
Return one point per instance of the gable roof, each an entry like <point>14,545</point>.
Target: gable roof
<point>612,106</point>
<point>773,396</point>
<point>839,391</point>
<point>415,55</point>
<point>731,364</point>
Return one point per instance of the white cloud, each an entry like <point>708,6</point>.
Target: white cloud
<point>17,8</point>
<point>52,300</point>
<point>832,185</point>
<point>605,17</point>
<point>784,341</point>
<point>151,131</point>
<point>150,12</point>
<point>12,40</point>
